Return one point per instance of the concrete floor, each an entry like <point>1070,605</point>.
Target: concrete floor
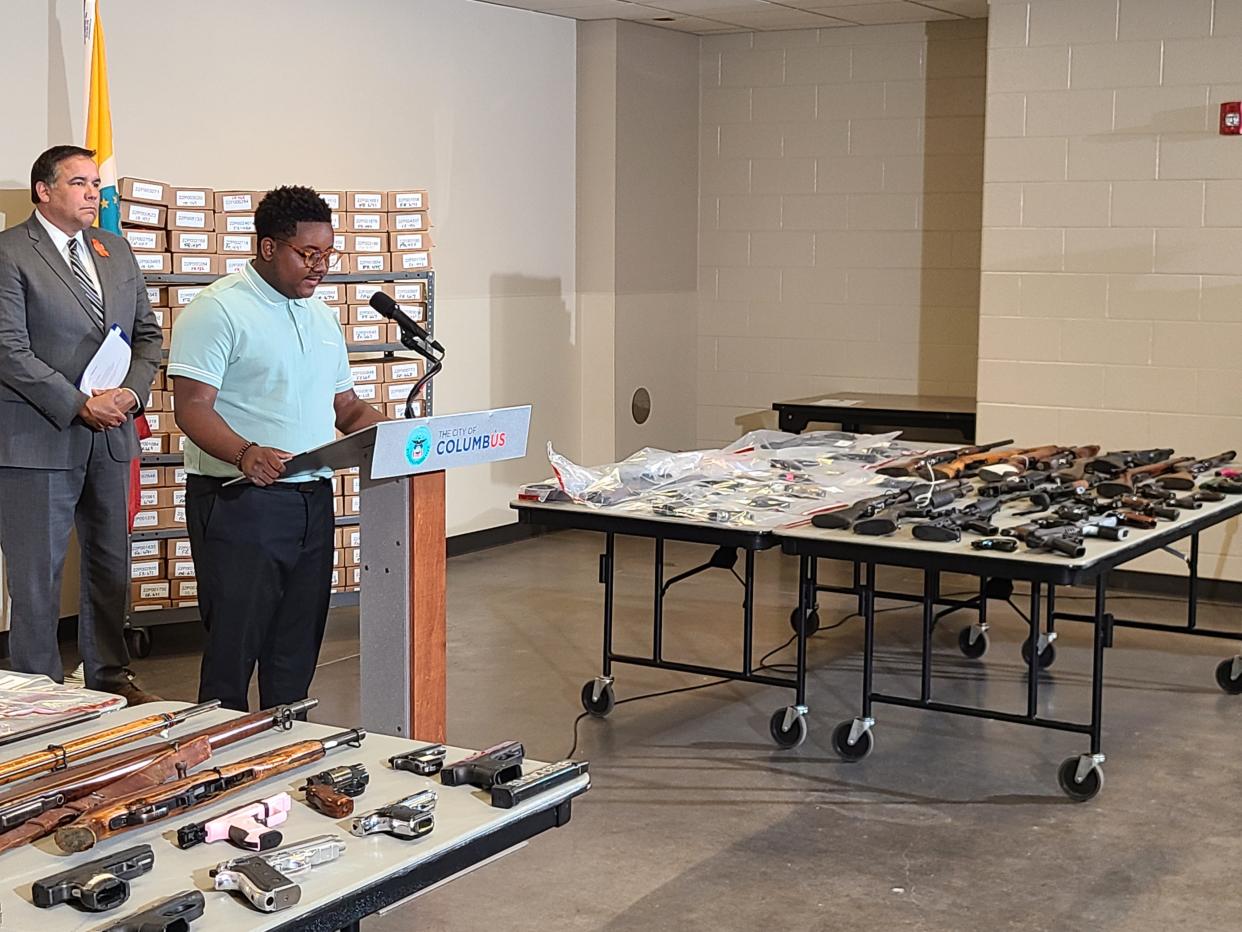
<point>695,820</point>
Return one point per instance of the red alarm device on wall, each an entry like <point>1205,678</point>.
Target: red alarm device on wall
<point>1231,118</point>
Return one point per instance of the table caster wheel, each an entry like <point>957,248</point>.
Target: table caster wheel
<point>857,748</point>
<point>139,641</point>
<point>1080,777</point>
<point>1047,656</point>
<point>598,699</point>
<point>788,727</point>
<point>812,621</point>
<point>972,642</point>
<point>1229,675</point>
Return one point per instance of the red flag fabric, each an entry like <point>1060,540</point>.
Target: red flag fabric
<point>135,491</point>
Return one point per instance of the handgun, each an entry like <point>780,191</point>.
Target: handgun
<point>96,885</point>
<point>267,880</point>
<point>171,915</point>
<point>251,827</point>
<point>500,763</point>
<point>408,818</point>
<point>331,791</point>
<point>427,760</point>
<point>540,780</point>
<point>1000,544</point>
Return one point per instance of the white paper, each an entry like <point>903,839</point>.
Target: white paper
<point>110,364</point>
<point>839,402</point>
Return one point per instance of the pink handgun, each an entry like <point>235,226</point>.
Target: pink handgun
<point>250,827</point>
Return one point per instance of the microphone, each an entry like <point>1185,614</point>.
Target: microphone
<point>389,308</point>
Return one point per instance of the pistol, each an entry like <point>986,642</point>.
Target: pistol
<point>171,915</point>
<point>540,780</point>
<point>408,818</point>
<point>427,760</point>
<point>97,885</point>
<point>251,827</point>
<point>267,880</point>
<point>331,791</point>
<point>500,763</point>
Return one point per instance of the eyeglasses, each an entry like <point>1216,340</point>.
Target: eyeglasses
<point>313,257</point>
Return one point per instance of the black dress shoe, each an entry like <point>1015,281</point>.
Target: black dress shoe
<point>133,694</point>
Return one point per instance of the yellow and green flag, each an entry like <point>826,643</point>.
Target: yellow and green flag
<point>99,118</point>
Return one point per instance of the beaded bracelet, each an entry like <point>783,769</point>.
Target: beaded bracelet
<point>241,454</point>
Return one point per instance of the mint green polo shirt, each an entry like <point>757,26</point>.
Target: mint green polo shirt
<point>276,363</point>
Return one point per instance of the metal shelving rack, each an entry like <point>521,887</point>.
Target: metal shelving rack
<point>138,624</point>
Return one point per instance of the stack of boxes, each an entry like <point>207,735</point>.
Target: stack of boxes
<point>346,562</point>
<point>162,571</point>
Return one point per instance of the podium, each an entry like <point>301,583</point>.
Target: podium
<point>401,603</point>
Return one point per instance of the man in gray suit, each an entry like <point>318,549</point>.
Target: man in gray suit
<point>65,455</point>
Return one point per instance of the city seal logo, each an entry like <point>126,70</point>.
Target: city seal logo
<point>418,447</point>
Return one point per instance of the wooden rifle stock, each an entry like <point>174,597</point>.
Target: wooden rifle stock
<point>145,806</point>
<point>919,465</point>
<point>1124,483</point>
<point>968,465</point>
<point>1183,480</point>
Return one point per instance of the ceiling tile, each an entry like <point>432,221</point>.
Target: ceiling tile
<point>776,17</point>
<point>973,9</point>
<point>879,14</point>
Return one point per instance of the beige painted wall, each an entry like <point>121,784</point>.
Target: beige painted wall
<point>840,193</point>
<point>471,100</point>
<point>1111,307</point>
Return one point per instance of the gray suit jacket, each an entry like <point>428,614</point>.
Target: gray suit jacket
<point>47,337</point>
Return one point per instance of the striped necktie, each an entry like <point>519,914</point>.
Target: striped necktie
<point>84,279</point>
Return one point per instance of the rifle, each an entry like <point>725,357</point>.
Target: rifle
<point>1110,464</point>
<point>1123,482</point>
<point>37,796</point>
<point>975,517</point>
<point>1042,459</point>
<point>931,503</point>
<point>78,718</point>
<point>146,806</point>
<point>1183,480</point>
<point>919,466</point>
<point>57,756</point>
<point>173,762</point>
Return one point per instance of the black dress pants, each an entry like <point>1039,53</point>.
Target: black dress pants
<point>263,557</point>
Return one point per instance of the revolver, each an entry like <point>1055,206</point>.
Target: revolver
<point>409,818</point>
<point>251,827</point>
<point>331,791</point>
<point>171,915</point>
<point>97,885</point>
<point>500,763</point>
<point>267,880</point>
<point>426,760</point>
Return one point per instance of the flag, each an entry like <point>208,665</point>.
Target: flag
<point>98,112</point>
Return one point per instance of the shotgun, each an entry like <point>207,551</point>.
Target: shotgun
<point>1123,483</point>
<point>1043,459</point>
<point>1183,479</point>
<point>146,806</point>
<point>919,466</point>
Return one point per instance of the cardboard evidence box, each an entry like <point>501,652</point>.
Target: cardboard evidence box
<point>330,293</point>
<point>149,591</point>
<point>202,198</point>
<point>409,220</point>
<point>157,295</point>
<point>410,291</point>
<point>396,409</point>
<point>143,214</point>
<point>366,201</point>
<point>414,199</point>
<point>188,263</point>
<point>231,265</point>
<point>403,370</point>
<point>366,242</point>
<point>154,263</point>
<point>146,569</point>
<point>369,263</point>
<point>186,218</point>
<point>334,199</point>
<point>368,222</point>
<point>366,371</point>
<point>366,333</point>
<point>365,314</point>
<point>191,241</point>
<point>146,550</point>
<point>414,261</point>
<point>245,244</point>
<point>237,202</point>
<point>181,295</point>
<point>141,189</point>
<point>146,240</point>
<point>235,223</point>
<point>409,240</point>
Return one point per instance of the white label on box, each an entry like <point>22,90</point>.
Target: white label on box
<point>195,265</point>
<point>151,444</point>
<point>153,421</point>
<point>354,538</point>
<point>144,548</point>
<point>148,192</point>
<point>178,497</point>
<point>187,588</point>
<point>233,265</point>
<point>190,218</point>
<point>149,498</point>
<point>372,263</point>
<point>355,503</point>
<point>153,590</point>
<point>153,295</point>
<point>150,261</point>
<point>410,200</point>
<point>364,373</point>
<point>336,578</point>
<point>405,241</point>
<point>367,201</point>
<point>186,295</point>
<point>159,315</point>
<point>407,221</point>
<point>332,200</point>
<point>181,439</point>
<point>366,221</point>
<point>368,315</point>
<point>409,291</point>
<point>363,293</point>
<point>336,220</point>
<point>240,224</point>
<point>338,242</point>
<point>191,198</point>
<point>149,476</point>
<point>141,239</point>
<point>192,240</point>
<point>398,391</point>
<point>140,214</point>
<point>237,202</point>
<point>146,570</point>
<point>146,519</point>
<point>337,265</point>
<point>364,334</point>
<point>179,475</point>
<point>329,294</point>
<point>367,391</point>
<point>236,243</point>
<point>182,568</point>
<point>368,244</point>
<point>181,549</point>
<point>179,515</point>
<point>414,260</point>
<point>405,371</point>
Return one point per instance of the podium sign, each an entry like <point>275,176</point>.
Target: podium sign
<point>401,604</point>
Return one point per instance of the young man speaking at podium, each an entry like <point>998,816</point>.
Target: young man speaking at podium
<point>261,373</point>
